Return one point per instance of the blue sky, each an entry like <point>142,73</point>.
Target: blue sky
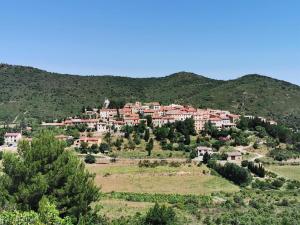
<point>216,38</point>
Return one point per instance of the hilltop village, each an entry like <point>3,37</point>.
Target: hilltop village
<point>142,151</point>
<point>134,113</point>
<point>95,123</point>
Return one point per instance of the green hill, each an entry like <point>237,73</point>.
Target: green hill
<point>26,92</point>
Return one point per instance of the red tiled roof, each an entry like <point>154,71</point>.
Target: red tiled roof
<point>12,134</point>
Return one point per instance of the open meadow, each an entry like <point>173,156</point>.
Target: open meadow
<point>287,171</point>
<point>185,179</point>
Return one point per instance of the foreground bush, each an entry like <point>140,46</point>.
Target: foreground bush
<point>89,159</point>
<point>160,215</point>
<point>44,168</point>
<point>47,214</point>
<point>232,172</point>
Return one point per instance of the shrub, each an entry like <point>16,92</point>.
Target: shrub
<point>244,163</point>
<point>160,215</point>
<point>259,170</point>
<point>233,172</point>
<point>175,164</point>
<point>89,159</point>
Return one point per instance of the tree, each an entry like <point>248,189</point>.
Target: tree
<point>209,128</point>
<point>43,168</point>
<point>127,130</point>
<point>131,144</point>
<point>103,148</point>
<point>137,139</point>
<point>147,135</point>
<point>243,123</point>
<point>118,144</point>
<point>83,147</point>
<point>107,138</point>
<point>160,215</point>
<point>161,133</point>
<point>187,139</point>
<point>149,146</point>
<point>141,127</point>
<point>90,159</point>
<point>206,158</point>
<point>256,145</point>
<point>94,148</point>
<point>2,132</point>
<point>149,121</point>
<point>261,131</point>
<point>47,214</point>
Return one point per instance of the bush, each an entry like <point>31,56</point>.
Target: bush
<point>160,215</point>
<point>244,163</point>
<point>233,172</point>
<point>175,164</point>
<point>89,159</point>
<point>259,170</point>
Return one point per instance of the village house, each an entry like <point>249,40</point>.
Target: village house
<point>101,127</point>
<point>89,140</point>
<point>132,113</point>
<point>12,139</point>
<point>234,156</point>
<point>201,150</point>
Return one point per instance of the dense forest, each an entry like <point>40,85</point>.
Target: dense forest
<point>27,92</point>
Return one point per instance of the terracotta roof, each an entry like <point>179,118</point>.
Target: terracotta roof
<point>234,153</point>
<point>12,134</point>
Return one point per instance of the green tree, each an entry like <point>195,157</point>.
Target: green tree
<point>160,215</point>
<point>104,147</point>
<point>83,147</point>
<point>187,139</point>
<point>149,146</point>
<point>118,144</point>
<point>44,168</point>
<point>127,130</point>
<point>261,131</point>
<point>147,135</point>
<point>161,133</point>
<point>149,121</point>
<point>94,148</point>
<point>243,123</point>
<point>107,138</point>
<point>137,139</point>
<point>131,144</point>
<point>89,159</point>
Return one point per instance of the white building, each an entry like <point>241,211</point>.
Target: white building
<point>101,127</point>
<point>12,139</point>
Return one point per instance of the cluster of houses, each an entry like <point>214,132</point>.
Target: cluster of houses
<point>104,119</point>
<point>133,113</point>
<point>234,156</point>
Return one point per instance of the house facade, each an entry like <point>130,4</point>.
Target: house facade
<point>12,139</point>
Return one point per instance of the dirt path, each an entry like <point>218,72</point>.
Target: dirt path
<point>244,149</point>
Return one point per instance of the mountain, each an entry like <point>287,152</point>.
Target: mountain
<point>27,92</point>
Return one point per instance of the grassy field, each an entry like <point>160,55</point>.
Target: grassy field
<point>162,179</point>
<point>115,208</point>
<point>291,172</point>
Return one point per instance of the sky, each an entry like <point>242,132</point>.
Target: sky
<point>141,38</point>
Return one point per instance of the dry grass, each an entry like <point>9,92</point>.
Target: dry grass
<point>114,208</point>
<point>162,179</point>
<point>288,171</point>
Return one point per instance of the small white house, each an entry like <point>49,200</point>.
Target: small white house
<point>234,156</point>
<point>101,127</point>
<point>12,139</point>
<point>201,150</point>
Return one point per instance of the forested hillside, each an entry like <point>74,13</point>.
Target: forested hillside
<point>26,92</point>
